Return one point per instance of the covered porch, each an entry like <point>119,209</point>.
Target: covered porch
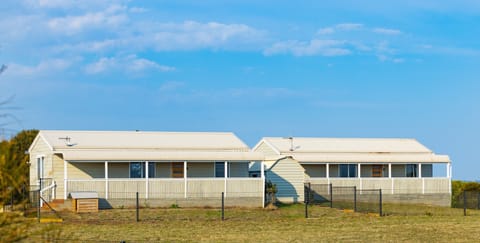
<point>391,177</point>
<point>162,179</point>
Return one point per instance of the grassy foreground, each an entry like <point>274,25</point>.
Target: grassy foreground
<point>286,224</point>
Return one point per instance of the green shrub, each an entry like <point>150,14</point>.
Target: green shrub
<point>458,187</point>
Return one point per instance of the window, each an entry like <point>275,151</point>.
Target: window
<point>347,170</point>
<point>177,170</point>
<point>219,169</point>
<point>427,170</point>
<point>137,170</point>
<point>151,170</point>
<point>40,165</point>
<point>411,170</point>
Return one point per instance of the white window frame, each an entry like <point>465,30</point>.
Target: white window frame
<point>348,170</point>
<point>416,170</point>
<point>215,169</point>
<point>142,169</point>
<point>40,164</point>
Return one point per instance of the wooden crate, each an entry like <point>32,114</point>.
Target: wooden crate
<point>86,205</point>
<point>84,202</point>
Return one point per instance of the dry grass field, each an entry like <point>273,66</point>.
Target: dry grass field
<point>286,224</point>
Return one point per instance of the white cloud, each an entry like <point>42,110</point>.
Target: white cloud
<point>189,35</point>
<point>349,26</point>
<point>326,31</point>
<point>43,67</point>
<point>171,86</point>
<point>129,64</point>
<point>195,35</point>
<point>386,31</point>
<point>313,47</point>
<point>137,10</point>
<point>71,4</point>
<point>111,17</point>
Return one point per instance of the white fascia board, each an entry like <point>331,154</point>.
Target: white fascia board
<point>267,143</point>
<point>39,136</point>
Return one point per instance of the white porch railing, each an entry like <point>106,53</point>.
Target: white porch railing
<point>170,188</point>
<point>47,189</point>
<point>395,185</point>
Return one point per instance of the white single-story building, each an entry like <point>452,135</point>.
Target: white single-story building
<point>404,169</point>
<point>185,168</point>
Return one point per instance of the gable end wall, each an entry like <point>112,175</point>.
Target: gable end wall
<point>288,175</point>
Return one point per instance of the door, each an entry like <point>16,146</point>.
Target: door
<point>377,170</point>
<point>177,170</point>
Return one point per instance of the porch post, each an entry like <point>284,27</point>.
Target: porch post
<point>106,179</point>
<point>262,170</point>
<point>185,177</point>
<point>390,170</point>
<point>225,177</point>
<point>390,175</point>
<point>419,170</point>
<point>449,170</point>
<point>262,175</point>
<point>65,180</point>
<point>327,170</point>
<point>359,177</point>
<point>449,174</point>
<point>146,179</point>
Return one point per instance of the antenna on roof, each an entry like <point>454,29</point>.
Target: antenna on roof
<point>292,147</point>
<point>67,141</point>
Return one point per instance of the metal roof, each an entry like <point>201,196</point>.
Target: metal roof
<point>152,146</point>
<point>346,145</point>
<point>59,139</point>
<point>350,150</point>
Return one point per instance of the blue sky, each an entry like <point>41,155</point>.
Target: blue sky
<point>275,68</point>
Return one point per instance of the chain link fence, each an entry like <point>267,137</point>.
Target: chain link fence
<point>343,197</point>
<point>468,200</point>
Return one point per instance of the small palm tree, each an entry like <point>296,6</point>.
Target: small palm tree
<point>271,190</point>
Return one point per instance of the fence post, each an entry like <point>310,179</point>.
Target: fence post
<point>307,199</point>
<point>138,218</point>
<point>380,206</point>
<point>331,194</point>
<point>38,205</point>
<point>309,191</point>
<point>478,200</point>
<point>355,198</point>
<point>223,206</point>
<point>464,203</point>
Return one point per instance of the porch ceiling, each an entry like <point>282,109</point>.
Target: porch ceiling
<point>135,155</point>
<point>371,158</point>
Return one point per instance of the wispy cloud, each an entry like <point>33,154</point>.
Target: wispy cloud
<point>387,31</point>
<point>340,27</point>
<point>349,26</point>
<point>111,17</point>
<point>171,86</point>
<point>310,48</point>
<point>126,64</point>
<point>43,67</point>
<point>187,35</point>
<point>342,39</point>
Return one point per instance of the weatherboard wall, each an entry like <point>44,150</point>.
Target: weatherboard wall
<point>288,175</point>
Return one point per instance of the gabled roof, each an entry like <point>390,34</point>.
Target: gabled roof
<point>138,145</point>
<point>143,140</point>
<point>345,150</point>
<point>346,145</point>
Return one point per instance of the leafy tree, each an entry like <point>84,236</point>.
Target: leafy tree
<point>458,187</point>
